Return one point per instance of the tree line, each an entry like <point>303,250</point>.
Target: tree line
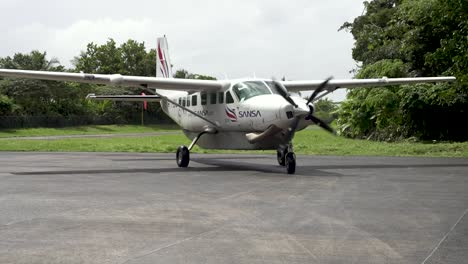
<point>64,103</point>
<point>409,38</point>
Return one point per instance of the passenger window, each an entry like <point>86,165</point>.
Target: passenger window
<point>212,98</point>
<point>220,97</point>
<point>203,98</point>
<point>188,101</point>
<point>180,101</point>
<point>229,99</point>
<point>194,100</point>
<point>183,102</point>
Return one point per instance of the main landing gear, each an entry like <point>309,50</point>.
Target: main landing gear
<point>285,155</point>
<point>287,158</point>
<point>183,152</point>
<point>183,156</point>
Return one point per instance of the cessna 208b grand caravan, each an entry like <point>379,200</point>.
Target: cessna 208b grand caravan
<point>248,114</point>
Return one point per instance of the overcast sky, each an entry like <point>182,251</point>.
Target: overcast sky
<point>295,38</point>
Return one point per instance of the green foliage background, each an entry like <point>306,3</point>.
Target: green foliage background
<point>29,103</point>
<point>409,38</point>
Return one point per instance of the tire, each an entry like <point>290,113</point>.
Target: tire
<point>183,156</point>
<point>290,162</point>
<point>281,157</point>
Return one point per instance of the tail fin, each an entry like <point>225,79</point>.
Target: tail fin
<point>163,63</point>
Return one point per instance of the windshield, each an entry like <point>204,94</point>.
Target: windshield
<point>246,90</point>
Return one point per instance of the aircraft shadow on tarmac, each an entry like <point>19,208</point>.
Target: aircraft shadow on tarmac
<point>227,164</point>
<point>172,158</point>
<point>221,167</point>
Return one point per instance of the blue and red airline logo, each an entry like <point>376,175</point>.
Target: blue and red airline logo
<point>231,114</point>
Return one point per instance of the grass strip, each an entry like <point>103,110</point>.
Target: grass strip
<point>85,130</point>
<point>310,141</point>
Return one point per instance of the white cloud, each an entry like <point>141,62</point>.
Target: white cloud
<point>79,34</point>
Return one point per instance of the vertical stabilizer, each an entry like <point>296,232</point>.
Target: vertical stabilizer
<point>163,63</point>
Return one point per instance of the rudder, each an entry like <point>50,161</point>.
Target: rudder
<point>163,62</point>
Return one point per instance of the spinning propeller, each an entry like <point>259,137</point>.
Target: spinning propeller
<point>319,89</point>
<point>283,92</point>
<point>313,118</point>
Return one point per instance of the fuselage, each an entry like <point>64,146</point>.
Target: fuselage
<point>243,106</point>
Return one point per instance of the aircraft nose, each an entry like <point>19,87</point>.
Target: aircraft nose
<point>301,110</point>
<point>291,111</point>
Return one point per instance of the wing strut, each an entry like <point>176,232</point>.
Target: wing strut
<point>192,112</point>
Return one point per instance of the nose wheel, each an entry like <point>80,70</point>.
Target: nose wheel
<point>287,159</point>
<point>281,156</point>
<point>290,162</point>
<point>183,156</point>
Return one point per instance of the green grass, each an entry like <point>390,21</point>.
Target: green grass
<point>84,130</point>
<point>321,143</point>
<point>310,141</point>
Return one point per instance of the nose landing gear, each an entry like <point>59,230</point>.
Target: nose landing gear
<point>281,157</point>
<point>287,158</point>
<point>290,162</point>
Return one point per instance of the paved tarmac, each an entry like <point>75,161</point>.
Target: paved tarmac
<point>142,208</point>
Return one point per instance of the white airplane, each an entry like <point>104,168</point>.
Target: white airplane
<point>247,114</point>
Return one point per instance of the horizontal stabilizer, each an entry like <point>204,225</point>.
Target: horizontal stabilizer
<point>128,98</point>
<point>257,137</point>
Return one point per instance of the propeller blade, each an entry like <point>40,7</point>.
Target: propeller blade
<point>284,92</point>
<point>321,124</point>
<point>319,89</point>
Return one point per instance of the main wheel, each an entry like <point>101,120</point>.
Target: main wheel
<point>281,156</point>
<point>183,156</point>
<point>290,162</point>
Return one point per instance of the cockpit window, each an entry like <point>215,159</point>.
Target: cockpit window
<point>246,90</point>
<point>229,99</point>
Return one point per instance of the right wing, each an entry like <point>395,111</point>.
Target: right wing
<point>296,86</point>
<point>189,85</point>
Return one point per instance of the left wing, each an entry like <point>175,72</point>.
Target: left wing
<point>296,86</point>
<point>121,80</point>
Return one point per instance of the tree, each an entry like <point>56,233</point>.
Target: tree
<point>35,97</point>
<point>135,59</point>
<point>130,58</point>
<point>409,38</point>
<point>27,97</point>
<point>184,74</point>
<point>325,109</point>
<point>33,61</point>
<point>6,105</point>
